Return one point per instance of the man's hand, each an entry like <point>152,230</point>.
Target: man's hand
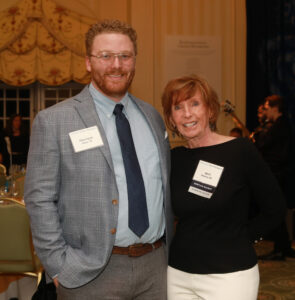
<point>55,281</point>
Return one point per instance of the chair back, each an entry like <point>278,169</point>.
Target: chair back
<point>2,170</point>
<point>19,186</point>
<point>17,254</point>
<point>2,179</point>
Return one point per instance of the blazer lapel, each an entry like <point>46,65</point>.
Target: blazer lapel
<point>87,111</point>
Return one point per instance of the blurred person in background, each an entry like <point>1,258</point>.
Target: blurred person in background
<point>17,141</point>
<point>275,146</point>
<point>262,128</point>
<point>236,132</point>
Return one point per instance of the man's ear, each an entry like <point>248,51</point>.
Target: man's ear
<point>88,63</point>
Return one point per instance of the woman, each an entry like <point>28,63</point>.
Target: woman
<point>213,180</point>
<point>17,141</point>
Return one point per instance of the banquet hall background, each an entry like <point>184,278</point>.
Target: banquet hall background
<point>42,48</point>
<point>42,60</point>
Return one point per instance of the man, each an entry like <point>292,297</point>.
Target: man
<point>262,128</point>
<point>275,147</point>
<point>99,218</point>
<point>236,132</point>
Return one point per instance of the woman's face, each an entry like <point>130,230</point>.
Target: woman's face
<point>16,123</point>
<point>191,117</point>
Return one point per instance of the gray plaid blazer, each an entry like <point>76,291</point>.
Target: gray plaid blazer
<point>69,195</point>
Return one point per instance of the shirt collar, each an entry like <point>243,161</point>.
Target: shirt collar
<point>105,104</point>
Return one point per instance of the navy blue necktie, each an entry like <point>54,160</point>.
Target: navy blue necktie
<point>138,215</point>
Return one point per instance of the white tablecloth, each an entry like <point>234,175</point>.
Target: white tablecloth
<point>21,288</point>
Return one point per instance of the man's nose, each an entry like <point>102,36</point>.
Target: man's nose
<point>116,62</point>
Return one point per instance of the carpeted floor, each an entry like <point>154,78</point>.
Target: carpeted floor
<point>277,278</point>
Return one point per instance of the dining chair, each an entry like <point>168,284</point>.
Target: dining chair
<point>17,255</point>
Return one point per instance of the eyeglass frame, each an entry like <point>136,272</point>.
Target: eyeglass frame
<point>113,55</point>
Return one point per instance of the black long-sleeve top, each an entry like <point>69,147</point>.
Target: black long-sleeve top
<point>20,148</point>
<point>215,235</point>
<point>275,147</point>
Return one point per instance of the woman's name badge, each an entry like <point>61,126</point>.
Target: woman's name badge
<point>205,179</point>
<point>86,139</point>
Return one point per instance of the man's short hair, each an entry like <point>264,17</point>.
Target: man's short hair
<point>109,26</point>
<point>237,130</point>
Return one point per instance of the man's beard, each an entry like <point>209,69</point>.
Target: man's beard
<point>111,88</point>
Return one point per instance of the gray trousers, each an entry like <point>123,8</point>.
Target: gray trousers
<point>125,278</point>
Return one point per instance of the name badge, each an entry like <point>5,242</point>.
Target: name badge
<point>205,179</point>
<point>86,139</point>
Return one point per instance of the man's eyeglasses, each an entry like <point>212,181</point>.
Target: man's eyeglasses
<point>109,57</point>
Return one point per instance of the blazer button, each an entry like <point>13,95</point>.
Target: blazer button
<point>113,230</point>
<point>115,201</point>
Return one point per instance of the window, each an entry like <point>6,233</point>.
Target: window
<point>53,95</point>
<point>28,100</point>
<point>15,100</point>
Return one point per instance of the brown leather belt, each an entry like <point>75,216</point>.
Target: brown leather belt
<point>137,249</point>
